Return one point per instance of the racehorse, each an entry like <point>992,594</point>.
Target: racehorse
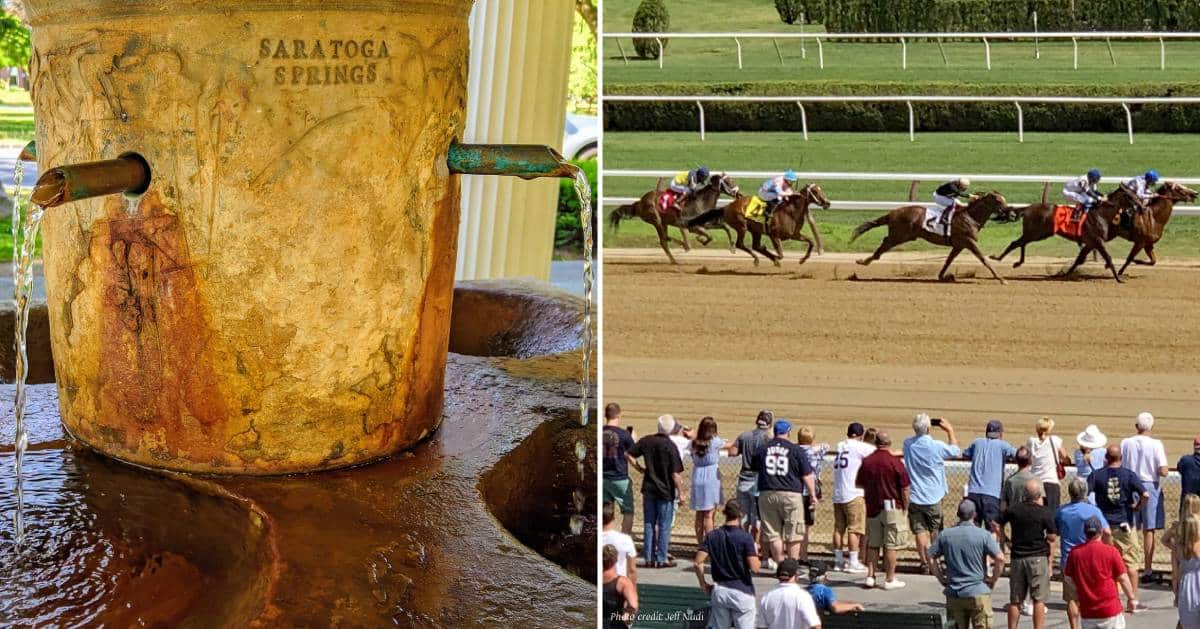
<point>787,222</point>
<point>1038,224</point>
<point>907,223</point>
<point>1146,228</point>
<point>649,209</point>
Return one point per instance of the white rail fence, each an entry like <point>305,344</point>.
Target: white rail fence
<point>1051,184</point>
<point>909,99</point>
<point>905,38</point>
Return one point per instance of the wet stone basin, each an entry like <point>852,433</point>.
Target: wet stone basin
<point>456,532</point>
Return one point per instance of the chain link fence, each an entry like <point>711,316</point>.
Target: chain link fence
<point>821,533</point>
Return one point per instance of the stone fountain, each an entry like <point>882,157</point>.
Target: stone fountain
<point>249,254</point>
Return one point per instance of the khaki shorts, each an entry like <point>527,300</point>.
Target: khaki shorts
<point>782,515</point>
<point>1129,542</point>
<point>1069,595</point>
<point>971,612</point>
<point>925,518</point>
<point>888,530</point>
<point>1029,577</point>
<point>850,517</point>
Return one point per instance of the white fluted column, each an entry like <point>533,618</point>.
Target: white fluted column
<point>517,94</point>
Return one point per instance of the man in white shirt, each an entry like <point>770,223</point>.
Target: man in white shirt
<point>788,606</point>
<point>612,535</point>
<point>849,506</point>
<point>1145,456</point>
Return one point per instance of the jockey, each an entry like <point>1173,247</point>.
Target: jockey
<point>687,182</point>
<point>775,190</point>
<point>947,195</point>
<point>1083,191</point>
<point>1144,185</point>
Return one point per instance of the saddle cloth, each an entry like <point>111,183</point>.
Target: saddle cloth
<point>666,202</point>
<point>1063,225</point>
<point>756,209</point>
<point>933,224</point>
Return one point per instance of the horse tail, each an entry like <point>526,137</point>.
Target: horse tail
<point>868,226</point>
<point>614,218</point>
<point>710,215</point>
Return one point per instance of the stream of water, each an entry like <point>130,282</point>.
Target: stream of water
<point>26,223</point>
<point>584,192</point>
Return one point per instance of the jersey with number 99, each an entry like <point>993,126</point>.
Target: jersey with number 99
<point>849,457</point>
<point>782,466</point>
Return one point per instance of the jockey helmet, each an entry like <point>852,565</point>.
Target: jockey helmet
<point>964,182</point>
<point>1094,174</point>
<point>1151,175</point>
<point>790,176</point>
<point>702,172</point>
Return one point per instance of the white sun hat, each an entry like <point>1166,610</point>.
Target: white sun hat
<point>1092,438</point>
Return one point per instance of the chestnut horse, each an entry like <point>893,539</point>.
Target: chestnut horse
<point>1146,228</point>
<point>1037,223</point>
<point>907,223</point>
<point>702,200</point>
<point>787,222</point>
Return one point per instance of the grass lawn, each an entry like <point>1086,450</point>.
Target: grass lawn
<point>991,153</point>
<point>715,60</point>
<point>14,97</point>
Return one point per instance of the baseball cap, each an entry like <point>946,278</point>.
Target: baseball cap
<point>1092,526</point>
<point>764,418</point>
<point>787,569</point>
<point>817,569</point>
<point>783,427</point>
<point>855,429</point>
<point>994,429</point>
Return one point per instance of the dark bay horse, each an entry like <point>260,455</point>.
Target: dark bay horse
<point>648,208</point>
<point>1146,228</point>
<point>787,222</point>
<point>907,223</point>
<point>1037,223</point>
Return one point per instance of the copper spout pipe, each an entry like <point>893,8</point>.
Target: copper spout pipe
<point>527,161</point>
<point>29,153</point>
<point>75,182</point>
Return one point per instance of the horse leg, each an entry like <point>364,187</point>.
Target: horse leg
<point>807,241</point>
<point>702,236</point>
<point>683,234</point>
<point>949,259</point>
<point>756,238</point>
<point>883,248</point>
<point>741,244</point>
<point>1133,251</point>
<point>663,241</point>
<point>778,245</point>
<point>1083,252</point>
<point>1108,261</point>
<point>725,228</point>
<point>974,247</point>
<point>1019,243</point>
<point>1150,254</point>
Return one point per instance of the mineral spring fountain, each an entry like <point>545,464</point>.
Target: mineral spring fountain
<point>271,404</point>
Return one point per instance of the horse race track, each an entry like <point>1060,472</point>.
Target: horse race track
<point>831,342</point>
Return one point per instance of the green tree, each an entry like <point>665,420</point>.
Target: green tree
<point>581,86</point>
<point>14,41</point>
<point>789,10</point>
<point>651,17</point>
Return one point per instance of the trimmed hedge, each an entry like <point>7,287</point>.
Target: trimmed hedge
<point>791,11</point>
<point>652,116</point>
<point>568,229</point>
<point>651,17</point>
<point>889,16</point>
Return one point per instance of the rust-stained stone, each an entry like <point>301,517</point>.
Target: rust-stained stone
<point>280,299</point>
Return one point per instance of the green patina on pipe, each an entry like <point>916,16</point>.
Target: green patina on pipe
<point>527,161</point>
<point>29,153</point>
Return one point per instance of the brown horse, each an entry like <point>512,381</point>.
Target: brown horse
<point>1037,223</point>
<point>1146,228</point>
<point>648,209</point>
<point>907,223</point>
<point>787,222</point>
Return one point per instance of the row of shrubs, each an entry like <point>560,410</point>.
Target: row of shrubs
<point>993,116</point>
<point>568,228</point>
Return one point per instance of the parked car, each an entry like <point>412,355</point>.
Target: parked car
<point>581,138</point>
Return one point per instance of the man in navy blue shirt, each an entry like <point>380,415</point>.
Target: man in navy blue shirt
<point>1119,492</point>
<point>1189,472</point>
<point>617,486</point>
<point>734,562</point>
<point>784,472</point>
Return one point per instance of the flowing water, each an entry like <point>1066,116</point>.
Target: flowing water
<point>26,223</point>
<point>584,192</point>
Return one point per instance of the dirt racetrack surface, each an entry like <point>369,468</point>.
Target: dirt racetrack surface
<point>831,342</point>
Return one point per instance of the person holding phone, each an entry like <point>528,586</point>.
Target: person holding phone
<point>925,460</point>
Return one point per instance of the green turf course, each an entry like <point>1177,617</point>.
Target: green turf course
<point>715,60</point>
<point>990,153</point>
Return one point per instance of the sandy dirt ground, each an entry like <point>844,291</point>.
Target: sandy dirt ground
<point>831,342</point>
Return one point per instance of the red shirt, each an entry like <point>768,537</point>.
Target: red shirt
<point>1095,568</point>
<point>882,477</point>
